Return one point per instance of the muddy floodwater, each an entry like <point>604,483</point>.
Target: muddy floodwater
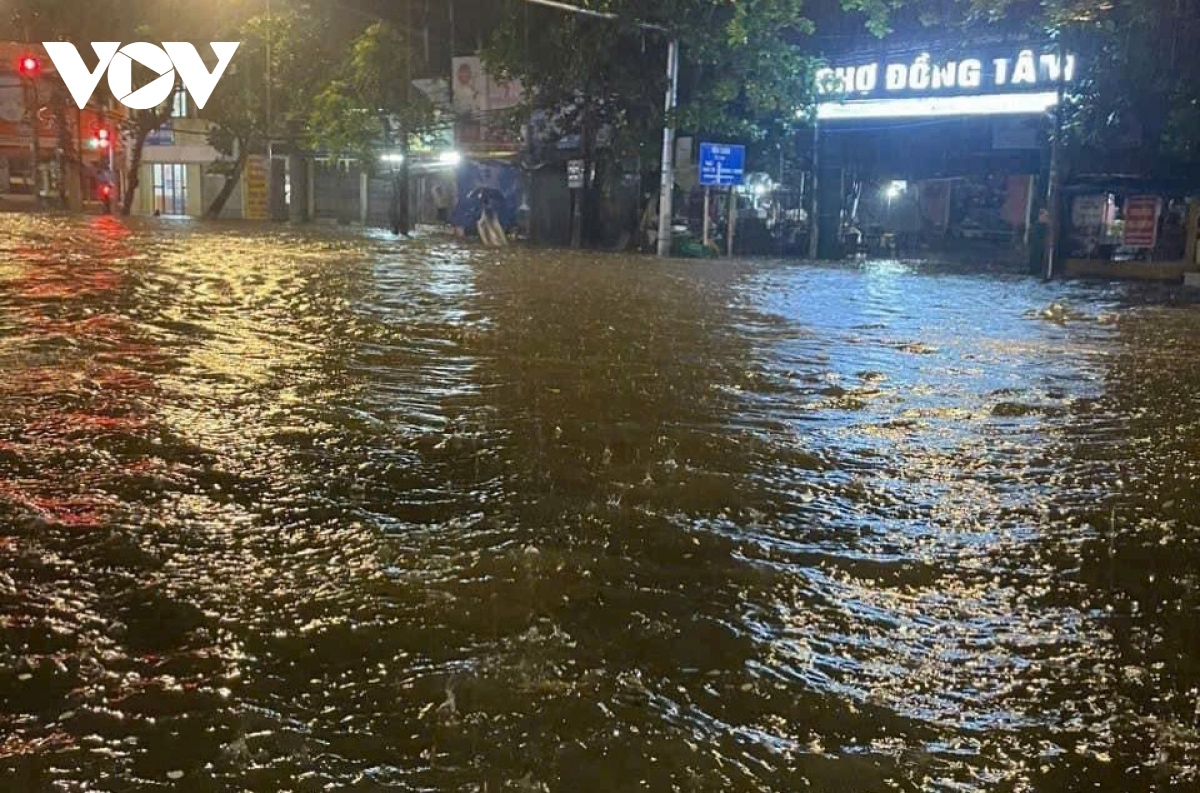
<point>287,510</point>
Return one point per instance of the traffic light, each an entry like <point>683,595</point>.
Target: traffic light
<point>101,138</point>
<point>106,191</point>
<point>29,66</point>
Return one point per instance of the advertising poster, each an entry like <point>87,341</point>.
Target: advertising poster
<point>1141,221</point>
<point>257,205</point>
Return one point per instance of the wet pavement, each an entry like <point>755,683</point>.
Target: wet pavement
<point>311,511</point>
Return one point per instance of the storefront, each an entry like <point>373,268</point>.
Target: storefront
<point>51,153</point>
<point>1132,228</point>
<point>921,150</point>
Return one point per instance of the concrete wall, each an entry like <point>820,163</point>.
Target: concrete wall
<point>339,192</point>
<point>336,194</point>
<point>212,183</point>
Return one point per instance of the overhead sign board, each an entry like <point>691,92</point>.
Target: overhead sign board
<point>722,164</point>
<point>987,82</point>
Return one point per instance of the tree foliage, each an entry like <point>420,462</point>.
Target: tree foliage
<point>370,105</point>
<point>1137,103</point>
<point>290,42</point>
<point>741,74</point>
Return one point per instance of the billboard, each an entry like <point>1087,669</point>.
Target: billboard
<point>477,99</point>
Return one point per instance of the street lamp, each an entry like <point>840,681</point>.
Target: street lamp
<point>667,186</point>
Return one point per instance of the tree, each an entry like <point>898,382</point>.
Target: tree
<point>742,74</point>
<point>371,109</point>
<point>136,127</point>
<point>237,110</point>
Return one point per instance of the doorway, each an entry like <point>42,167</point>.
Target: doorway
<point>169,183</point>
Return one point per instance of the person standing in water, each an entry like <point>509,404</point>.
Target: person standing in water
<point>441,202</point>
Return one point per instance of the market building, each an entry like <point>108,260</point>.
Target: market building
<point>952,148</point>
<point>933,147</point>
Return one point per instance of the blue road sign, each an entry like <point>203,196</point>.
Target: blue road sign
<point>163,136</point>
<point>722,164</point>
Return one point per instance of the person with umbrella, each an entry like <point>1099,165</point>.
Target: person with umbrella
<point>491,230</point>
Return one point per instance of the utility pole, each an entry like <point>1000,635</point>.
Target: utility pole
<point>667,184</point>
<point>1054,190</point>
<point>814,217</point>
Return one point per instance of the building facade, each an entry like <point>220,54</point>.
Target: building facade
<point>181,173</point>
<point>52,153</point>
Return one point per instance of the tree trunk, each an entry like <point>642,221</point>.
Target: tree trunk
<point>231,181</point>
<point>394,206</point>
<point>405,209</point>
<point>68,160</point>
<point>145,126</point>
<point>133,174</point>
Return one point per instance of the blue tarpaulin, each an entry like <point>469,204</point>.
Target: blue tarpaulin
<point>474,177</point>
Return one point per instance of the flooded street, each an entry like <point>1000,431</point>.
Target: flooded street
<point>310,511</point>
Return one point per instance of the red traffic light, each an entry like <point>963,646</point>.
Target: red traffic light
<point>105,190</point>
<point>29,66</point>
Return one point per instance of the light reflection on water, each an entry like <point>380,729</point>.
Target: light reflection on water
<point>310,511</point>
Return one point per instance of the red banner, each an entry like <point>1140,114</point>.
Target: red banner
<point>1141,221</point>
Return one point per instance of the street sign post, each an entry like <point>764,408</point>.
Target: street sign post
<point>575,174</point>
<point>576,181</point>
<point>722,164</point>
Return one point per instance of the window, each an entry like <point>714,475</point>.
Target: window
<point>179,107</point>
<point>169,188</point>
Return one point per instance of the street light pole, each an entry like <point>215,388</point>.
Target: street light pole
<point>667,184</point>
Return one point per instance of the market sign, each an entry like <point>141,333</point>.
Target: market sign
<point>1141,221</point>
<point>995,83</point>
